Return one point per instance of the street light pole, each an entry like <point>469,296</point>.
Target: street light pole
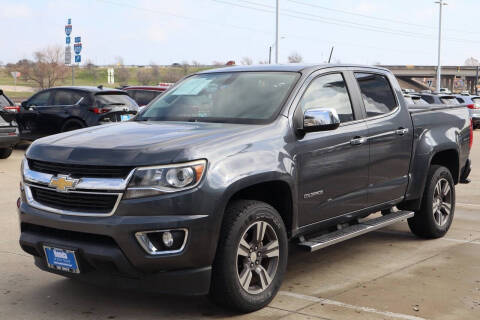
<point>276,34</point>
<point>441,3</point>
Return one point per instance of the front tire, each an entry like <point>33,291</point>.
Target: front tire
<point>438,205</point>
<point>71,125</point>
<point>251,256</point>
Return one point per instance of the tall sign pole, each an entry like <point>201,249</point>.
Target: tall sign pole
<point>441,3</point>
<point>276,34</point>
<point>68,47</point>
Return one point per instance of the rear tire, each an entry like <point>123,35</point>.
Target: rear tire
<point>251,257</point>
<point>71,125</point>
<point>5,153</point>
<point>438,205</point>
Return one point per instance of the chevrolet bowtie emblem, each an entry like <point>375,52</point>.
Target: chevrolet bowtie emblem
<point>63,183</point>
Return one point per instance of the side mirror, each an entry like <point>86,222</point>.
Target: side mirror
<point>321,119</point>
<point>24,104</point>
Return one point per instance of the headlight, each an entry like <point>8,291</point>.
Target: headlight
<point>150,181</point>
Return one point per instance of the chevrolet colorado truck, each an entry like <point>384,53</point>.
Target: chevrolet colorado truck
<point>202,191</point>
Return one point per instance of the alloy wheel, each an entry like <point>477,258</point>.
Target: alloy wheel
<point>257,257</point>
<point>442,202</point>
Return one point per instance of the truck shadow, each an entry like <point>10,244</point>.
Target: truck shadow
<point>65,298</point>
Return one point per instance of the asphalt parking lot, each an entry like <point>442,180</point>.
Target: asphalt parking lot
<point>388,274</point>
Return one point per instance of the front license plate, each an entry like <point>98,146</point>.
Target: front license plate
<point>61,259</point>
<point>125,117</point>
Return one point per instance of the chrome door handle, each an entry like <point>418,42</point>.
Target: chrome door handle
<point>401,131</point>
<point>358,140</point>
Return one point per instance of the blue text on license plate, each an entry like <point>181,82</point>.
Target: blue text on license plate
<point>125,117</point>
<point>61,259</point>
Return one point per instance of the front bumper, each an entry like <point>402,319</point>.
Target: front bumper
<point>109,253</point>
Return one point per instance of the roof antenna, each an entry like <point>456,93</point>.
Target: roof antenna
<point>331,52</point>
<point>100,87</point>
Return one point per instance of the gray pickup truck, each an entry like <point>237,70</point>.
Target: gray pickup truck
<point>203,190</point>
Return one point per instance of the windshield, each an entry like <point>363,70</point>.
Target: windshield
<point>234,97</point>
<point>114,99</point>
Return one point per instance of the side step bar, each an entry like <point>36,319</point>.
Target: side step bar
<point>356,230</point>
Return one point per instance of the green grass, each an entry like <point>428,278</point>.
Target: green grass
<point>85,77</point>
<point>18,96</point>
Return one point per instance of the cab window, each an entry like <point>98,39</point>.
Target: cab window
<point>377,94</point>
<point>329,91</point>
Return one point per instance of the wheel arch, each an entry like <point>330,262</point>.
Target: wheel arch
<point>448,156</point>
<point>72,119</point>
<point>276,189</point>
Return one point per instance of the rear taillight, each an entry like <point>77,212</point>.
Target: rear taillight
<point>471,106</point>
<point>471,134</point>
<point>12,108</point>
<point>99,110</point>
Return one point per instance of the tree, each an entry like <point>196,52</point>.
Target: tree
<point>155,72</point>
<point>144,76</point>
<point>472,62</point>
<point>195,63</point>
<point>185,67</point>
<point>45,70</point>
<point>295,57</point>
<point>246,61</point>
<point>172,74</point>
<point>122,74</point>
<point>91,69</point>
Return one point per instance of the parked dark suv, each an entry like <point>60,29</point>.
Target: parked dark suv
<point>63,109</point>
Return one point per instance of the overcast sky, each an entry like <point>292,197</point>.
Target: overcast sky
<point>163,32</point>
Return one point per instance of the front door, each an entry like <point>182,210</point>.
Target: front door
<point>332,165</point>
<point>28,116</point>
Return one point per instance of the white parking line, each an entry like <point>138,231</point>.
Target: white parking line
<point>468,204</point>
<point>461,241</point>
<point>407,234</point>
<point>349,306</point>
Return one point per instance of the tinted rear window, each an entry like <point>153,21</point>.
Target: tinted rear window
<point>143,97</point>
<point>4,101</point>
<point>377,93</point>
<point>114,99</point>
<point>418,100</point>
<point>449,100</point>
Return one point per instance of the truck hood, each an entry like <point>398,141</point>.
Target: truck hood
<point>135,143</point>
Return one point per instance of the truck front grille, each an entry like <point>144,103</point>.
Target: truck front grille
<point>80,171</point>
<point>82,202</point>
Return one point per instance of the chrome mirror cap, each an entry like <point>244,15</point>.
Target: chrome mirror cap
<point>320,119</point>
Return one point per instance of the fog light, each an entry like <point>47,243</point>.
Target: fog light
<point>167,239</point>
<point>158,242</point>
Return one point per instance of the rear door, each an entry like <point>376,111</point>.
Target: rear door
<point>332,165</point>
<point>390,137</point>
